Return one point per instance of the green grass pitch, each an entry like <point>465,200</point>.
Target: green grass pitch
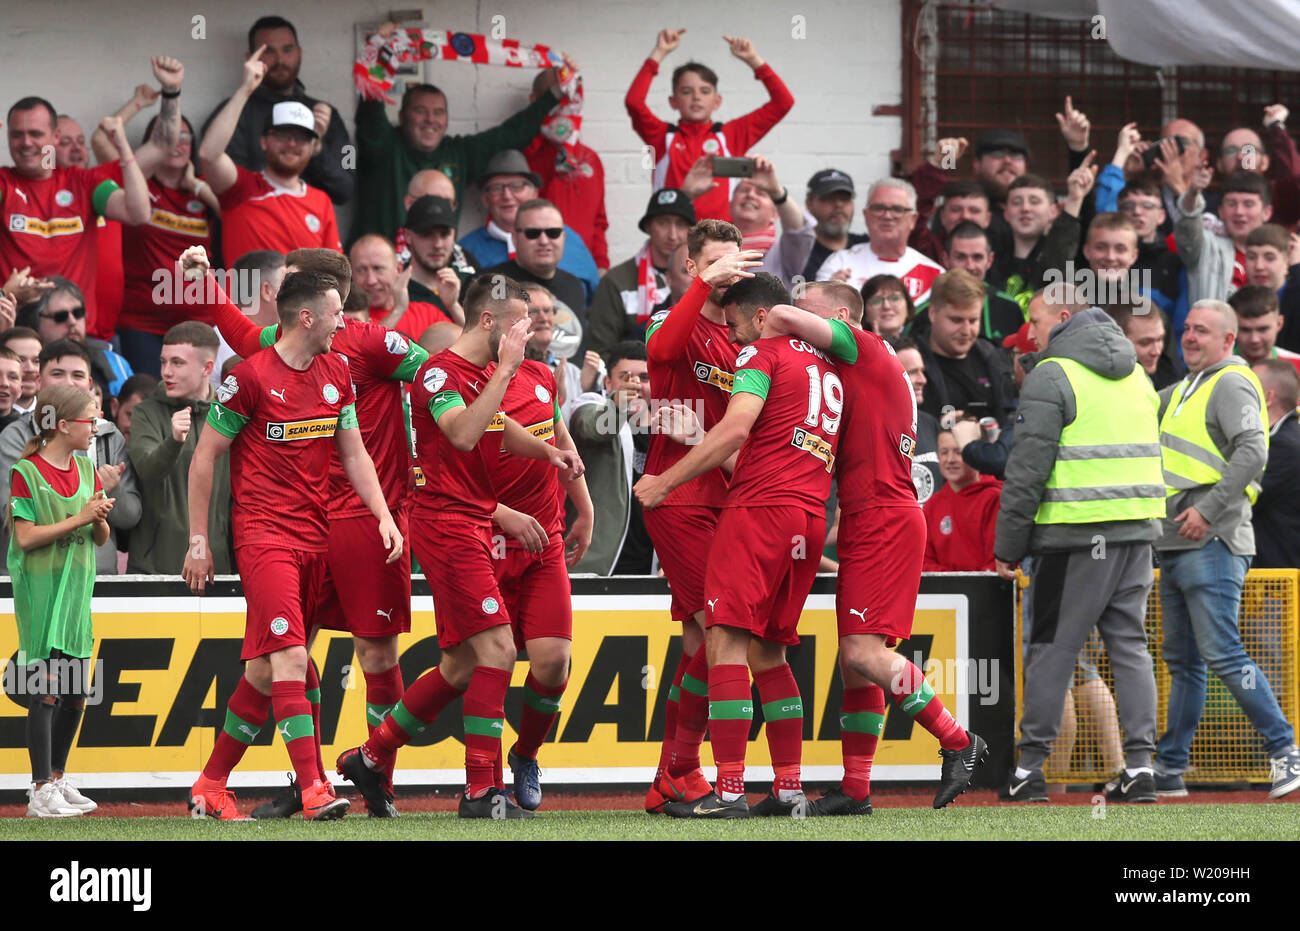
<point>1039,822</point>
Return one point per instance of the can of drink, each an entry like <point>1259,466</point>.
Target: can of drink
<point>989,429</point>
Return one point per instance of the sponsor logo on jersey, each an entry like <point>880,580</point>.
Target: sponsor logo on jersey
<point>279,627</point>
<point>279,394</point>
<point>745,355</point>
<point>195,206</point>
<point>63,198</point>
<point>396,343</point>
<point>419,477</point>
<point>61,226</point>
<point>186,226</point>
<point>812,443</point>
<point>313,222</point>
<point>228,389</point>
<point>490,606</point>
<point>945,525</point>
<point>923,481</point>
<point>497,423</point>
<point>330,393</point>
<point>544,430</point>
<point>712,375</point>
<point>542,394</point>
<point>906,445</point>
<point>302,429</point>
<point>434,379</point>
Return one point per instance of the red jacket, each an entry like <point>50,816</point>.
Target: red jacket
<point>580,197</point>
<point>679,146</point>
<point>961,526</point>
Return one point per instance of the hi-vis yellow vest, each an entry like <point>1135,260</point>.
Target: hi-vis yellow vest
<point>1190,457</point>
<point>1108,461</point>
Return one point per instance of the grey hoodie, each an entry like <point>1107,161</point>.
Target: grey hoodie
<point>1047,406</point>
<point>1232,420</point>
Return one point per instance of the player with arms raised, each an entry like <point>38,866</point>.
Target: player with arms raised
<point>784,418</point>
<point>272,413</point>
<point>881,547</point>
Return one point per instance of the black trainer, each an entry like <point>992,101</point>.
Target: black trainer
<point>1126,788</point>
<point>493,804</point>
<point>839,802</point>
<point>389,810</point>
<point>773,807</point>
<point>284,805</point>
<point>1033,788</point>
<point>958,767</point>
<point>353,768</point>
<point>711,806</point>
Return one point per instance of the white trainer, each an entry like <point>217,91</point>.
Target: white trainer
<point>48,802</point>
<point>73,796</point>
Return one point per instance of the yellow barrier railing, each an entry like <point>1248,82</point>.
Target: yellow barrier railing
<point>1227,748</point>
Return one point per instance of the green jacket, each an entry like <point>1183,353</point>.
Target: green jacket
<point>162,538</point>
<point>604,440</point>
<point>386,163</point>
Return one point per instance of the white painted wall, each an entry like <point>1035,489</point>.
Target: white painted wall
<point>86,57</point>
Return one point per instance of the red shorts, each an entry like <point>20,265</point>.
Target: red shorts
<point>281,588</point>
<point>537,592</point>
<point>682,537</point>
<point>881,551</point>
<point>755,580</point>
<point>456,556</point>
<point>362,594</point>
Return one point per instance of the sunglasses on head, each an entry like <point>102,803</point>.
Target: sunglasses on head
<point>552,232</point>
<point>61,316</point>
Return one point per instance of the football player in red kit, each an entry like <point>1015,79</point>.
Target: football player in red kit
<point>881,547</point>
<point>784,417</point>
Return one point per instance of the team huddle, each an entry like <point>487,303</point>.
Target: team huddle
<point>786,395</point>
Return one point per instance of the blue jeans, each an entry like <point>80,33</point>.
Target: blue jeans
<point>1200,595</point>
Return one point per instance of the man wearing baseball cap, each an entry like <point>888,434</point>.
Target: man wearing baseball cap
<point>430,233</point>
<point>1001,156</point>
<point>274,208</point>
<point>635,289</point>
<point>830,201</point>
<point>507,182</point>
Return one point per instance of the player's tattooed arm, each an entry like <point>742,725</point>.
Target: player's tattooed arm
<point>198,569</point>
<point>718,445</point>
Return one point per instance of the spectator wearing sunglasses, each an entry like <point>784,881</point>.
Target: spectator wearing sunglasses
<point>61,314</point>
<point>540,238</point>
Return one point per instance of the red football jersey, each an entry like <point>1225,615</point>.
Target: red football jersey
<point>530,485</point>
<point>256,214</point>
<point>454,481</point>
<point>419,316</point>
<point>283,423</point>
<point>790,453</point>
<point>178,220</point>
<point>50,225</point>
<point>700,376</point>
<point>876,460</point>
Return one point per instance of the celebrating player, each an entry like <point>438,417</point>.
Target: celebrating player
<point>881,547</point>
<point>690,359</point>
<point>786,406</point>
<point>460,431</point>
<point>270,414</point>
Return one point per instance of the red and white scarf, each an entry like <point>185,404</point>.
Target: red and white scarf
<point>649,294</point>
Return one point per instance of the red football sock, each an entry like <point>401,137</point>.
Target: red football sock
<point>313,699</point>
<point>383,691</point>
<point>293,721</point>
<point>909,690</point>
<point>245,715</point>
<point>731,713</point>
<point>541,707</point>
<point>670,713</point>
<point>419,707</point>
<point>862,718</point>
<point>783,721</point>
<point>692,715</point>
<point>485,715</point>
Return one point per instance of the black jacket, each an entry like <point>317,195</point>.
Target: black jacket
<point>1276,518</point>
<point>936,388</point>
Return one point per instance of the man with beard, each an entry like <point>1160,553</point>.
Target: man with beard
<point>273,209</point>
<point>830,201</point>
<point>430,236</point>
<point>282,56</point>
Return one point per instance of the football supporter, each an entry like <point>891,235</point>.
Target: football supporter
<point>438,264</point>
<point>1242,149</point>
<point>678,146</point>
<point>1276,515</point>
<point>257,281</point>
<point>890,311</point>
<point>881,546</point>
<point>1147,334</point>
<point>72,152</point>
<point>571,380</point>
<point>532,572</point>
<point>830,202</point>
<point>775,505</point>
<point>273,208</point>
<point>11,386</point>
<point>60,313</point>
<point>460,431</point>
<point>970,247</point>
<point>1216,264</point>
<point>48,214</point>
<point>1044,234</point>
<point>166,427</point>
<point>926,475</point>
<point>961,518</point>
<point>121,408</point>
<point>375,271</point>
<point>1139,200</point>
<point>1267,259</point>
<point>277,40</point>
<point>541,239</point>
<point>890,214</point>
<point>691,361</point>
<point>1258,323</point>
<point>58,512</point>
<point>963,372</point>
<point>631,292</point>
<point>272,413</point>
<point>25,343</point>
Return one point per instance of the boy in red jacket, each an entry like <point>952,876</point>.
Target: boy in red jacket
<point>695,97</point>
<point>961,517</point>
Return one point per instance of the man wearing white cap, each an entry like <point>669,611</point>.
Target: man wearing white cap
<point>274,208</point>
